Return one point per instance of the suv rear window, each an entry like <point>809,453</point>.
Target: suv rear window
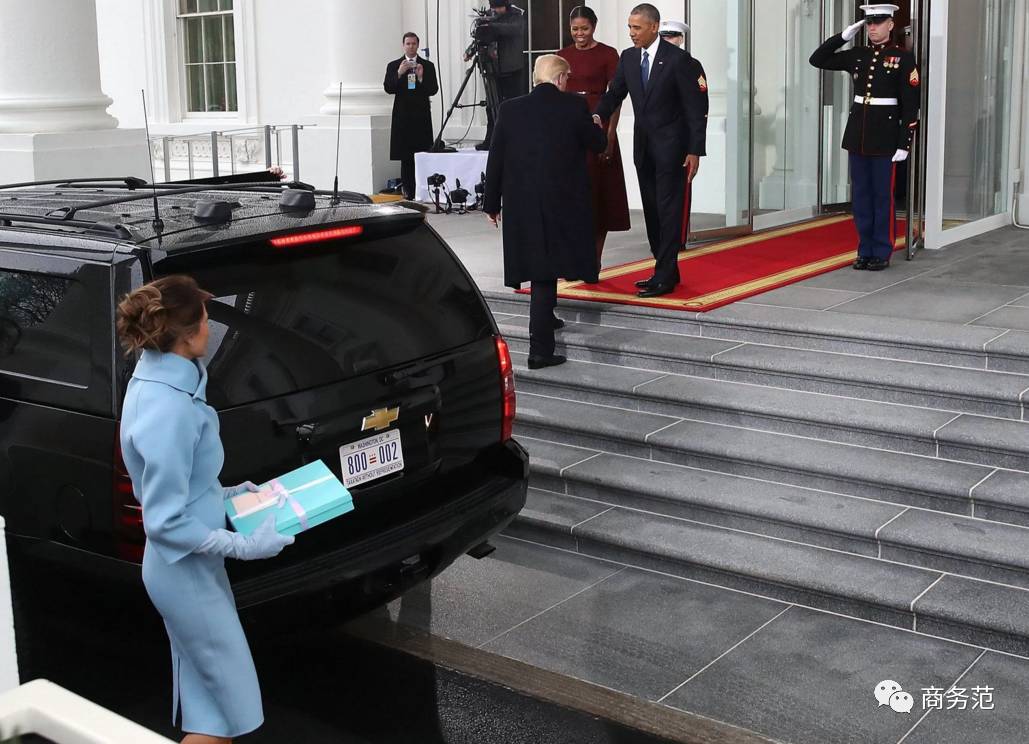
<point>290,319</point>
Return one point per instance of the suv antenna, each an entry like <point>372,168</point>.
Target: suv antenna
<point>339,115</point>
<point>157,224</point>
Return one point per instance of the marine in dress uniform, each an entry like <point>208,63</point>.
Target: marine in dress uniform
<point>673,31</point>
<point>881,126</point>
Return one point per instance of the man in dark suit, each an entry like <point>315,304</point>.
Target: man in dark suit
<point>411,80</point>
<point>669,101</point>
<point>537,174</point>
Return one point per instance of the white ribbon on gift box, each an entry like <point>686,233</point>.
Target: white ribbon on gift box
<point>281,495</point>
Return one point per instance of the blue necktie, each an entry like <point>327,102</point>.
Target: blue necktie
<point>645,69</point>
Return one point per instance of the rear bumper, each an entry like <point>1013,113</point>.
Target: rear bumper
<point>369,571</point>
<point>376,569</point>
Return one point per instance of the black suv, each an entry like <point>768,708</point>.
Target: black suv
<point>335,319</point>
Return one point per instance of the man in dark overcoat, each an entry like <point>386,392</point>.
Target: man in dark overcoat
<point>537,174</point>
<point>668,89</point>
<point>411,80</point>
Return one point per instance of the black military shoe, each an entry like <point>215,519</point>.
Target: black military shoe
<point>553,360</point>
<point>645,283</point>
<point>878,264</point>
<point>482,146</point>
<point>862,263</point>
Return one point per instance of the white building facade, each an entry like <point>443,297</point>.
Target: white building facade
<point>72,73</point>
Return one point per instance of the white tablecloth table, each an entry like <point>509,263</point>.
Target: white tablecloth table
<point>466,165</point>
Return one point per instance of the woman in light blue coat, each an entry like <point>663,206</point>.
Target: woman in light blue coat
<point>169,439</point>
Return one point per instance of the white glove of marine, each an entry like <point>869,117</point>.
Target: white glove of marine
<point>229,492</point>
<point>900,156</point>
<point>852,30</point>
<point>265,542</point>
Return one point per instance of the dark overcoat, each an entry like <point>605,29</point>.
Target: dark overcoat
<point>537,174</point>
<point>412,117</point>
<point>882,71</point>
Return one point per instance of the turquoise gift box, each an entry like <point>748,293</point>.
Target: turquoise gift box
<point>300,500</point>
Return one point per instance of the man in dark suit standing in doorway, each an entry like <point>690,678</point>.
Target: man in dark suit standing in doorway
<point>668,89</point>
<point>537,174</point>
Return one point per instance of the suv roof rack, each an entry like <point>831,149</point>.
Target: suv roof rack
<point>70,212</point>
<point>130,182</point>
<point>117,230</point>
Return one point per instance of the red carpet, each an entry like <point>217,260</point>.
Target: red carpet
<point>720,273</point>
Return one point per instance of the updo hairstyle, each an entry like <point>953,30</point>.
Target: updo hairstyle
<point>581,11</point>
<point>158,314</point>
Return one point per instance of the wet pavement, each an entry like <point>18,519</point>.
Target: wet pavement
<point>320,682</point>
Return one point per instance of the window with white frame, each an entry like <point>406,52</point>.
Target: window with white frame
<point>209,55</point>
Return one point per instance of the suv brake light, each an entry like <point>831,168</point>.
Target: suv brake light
<point>507,388</point>
<point>128,514</point>
<point>317,236</point>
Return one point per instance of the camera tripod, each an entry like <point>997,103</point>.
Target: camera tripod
<point>485,63</point>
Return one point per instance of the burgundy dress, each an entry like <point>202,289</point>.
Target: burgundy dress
<point>592,71</point>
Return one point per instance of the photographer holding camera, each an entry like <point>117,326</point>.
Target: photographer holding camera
<point>411,80</point>
<point>506,26</point>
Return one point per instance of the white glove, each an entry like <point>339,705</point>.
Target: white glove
<point>852,30</point>
<point>265,542</point>
<point>900,156</point>
<point>229,492</point>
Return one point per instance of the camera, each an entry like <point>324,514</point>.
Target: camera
<point>459,195</point>
<point>436,180</point>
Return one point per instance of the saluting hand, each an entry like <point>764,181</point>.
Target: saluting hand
<point>852,30</point>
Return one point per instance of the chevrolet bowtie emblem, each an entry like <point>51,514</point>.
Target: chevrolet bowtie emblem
<point>380,419</point>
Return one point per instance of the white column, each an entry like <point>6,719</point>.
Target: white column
<point>359,57</point>
<point>53,115</point>
<point>8,657</point>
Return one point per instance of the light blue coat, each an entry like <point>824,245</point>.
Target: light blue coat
<point>169,439</point>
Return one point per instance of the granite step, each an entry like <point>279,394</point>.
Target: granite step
<point>946,542</point>
<point>983,440</point>
<point>914,340</point>
<point>894,477</point>
<point>965,609</point>
<point>955,389</point>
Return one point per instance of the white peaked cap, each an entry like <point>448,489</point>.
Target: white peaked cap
<point>673,27</point>
<point>881,9</point>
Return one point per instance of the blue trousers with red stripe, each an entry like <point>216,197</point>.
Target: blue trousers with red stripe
<point>872,181</point>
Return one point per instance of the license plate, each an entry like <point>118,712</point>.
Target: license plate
<point>371,458</point>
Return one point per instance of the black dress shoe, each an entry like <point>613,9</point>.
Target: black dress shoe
<point>645,283</point>
<point>878,264</point>
<point>546,361</point>
<point>482,146</point>
<point>656,290</point>
<point>862,263</point>
<point>558,323</point>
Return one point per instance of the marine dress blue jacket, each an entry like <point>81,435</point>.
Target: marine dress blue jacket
<point>171,447</point>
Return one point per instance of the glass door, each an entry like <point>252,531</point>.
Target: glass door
<point>720,37</point>
<point>836,97</point>
<point>786,111</point>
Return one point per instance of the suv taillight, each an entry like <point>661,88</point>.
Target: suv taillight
<point>507,389</point>
<point>129,536</point>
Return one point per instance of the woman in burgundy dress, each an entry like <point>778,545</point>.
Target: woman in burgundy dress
<point>593,67</point>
